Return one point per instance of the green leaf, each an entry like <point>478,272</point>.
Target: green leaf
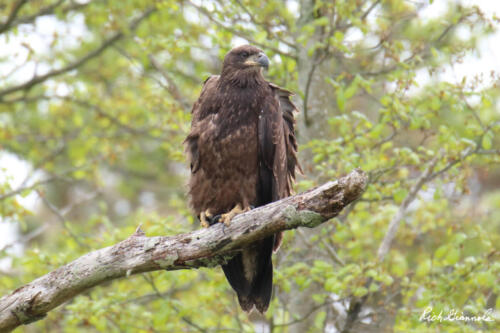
<point>340,99</point>
<point>385,100</point>
<point>322,21</point>
<point>360,291</point>
<point>386,279</point>
<point>339,36</point>
<point>374,287</point>
<point>452,256</point>
<point>399,265</point>
<point>400,195</point>
<point>441,251</point>
<point>424,268</point>
<point>351,91</point>
<point>25,193</point>
<point>435,104</point>
<point>261,36</point>
<point>487,141</point>
<point>486,279</point>
<point>333,285</point>
<point>434,52</point>
<point>459,238</point>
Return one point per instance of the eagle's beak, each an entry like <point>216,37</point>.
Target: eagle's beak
<point>263,60</point>
<point>258,60</point>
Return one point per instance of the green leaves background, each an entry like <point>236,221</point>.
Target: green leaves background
<point>105,137</point>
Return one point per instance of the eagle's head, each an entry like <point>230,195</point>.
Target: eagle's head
<point>246,58</point>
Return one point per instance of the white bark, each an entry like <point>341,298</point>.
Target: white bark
<point>204,247</point>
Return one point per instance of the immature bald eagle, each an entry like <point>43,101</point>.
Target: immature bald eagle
<point>242,151</point>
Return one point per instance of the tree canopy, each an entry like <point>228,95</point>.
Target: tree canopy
<point>95,98</point>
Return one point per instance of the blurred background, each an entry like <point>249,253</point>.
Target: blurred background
<point>95,100</point>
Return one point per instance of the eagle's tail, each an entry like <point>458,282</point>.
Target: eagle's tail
<point>250,273</point>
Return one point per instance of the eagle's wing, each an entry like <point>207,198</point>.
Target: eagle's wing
<point>278,147</point>
<point>199,113</point>
<point>277,163</point>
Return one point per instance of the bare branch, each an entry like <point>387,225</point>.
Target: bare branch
<point>56,72</point>
<point>369,10</point>
<point>26,238</point>
<point>310,75</point>
<point>424,53</point>
<point>51,178</point>
<point>27,188</point>
<point>132,130</point>
<point>400,214</point>
<point>304,317</point>
<point>206,247</point>
<point>48,10</point>
<point>171,87</point>
<point>59,216</point>
<point>265,26</point>
<point>427,176</point>
<point>357,305</point>
<point>15,10</point>
<point>333,254</point>
<point>237,32</point>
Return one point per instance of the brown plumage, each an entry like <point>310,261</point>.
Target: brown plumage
<point>242,151</point>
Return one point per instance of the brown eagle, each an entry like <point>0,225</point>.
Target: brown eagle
<point>242,151</point>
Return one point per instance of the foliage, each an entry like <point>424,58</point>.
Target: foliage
<point>96,97</point>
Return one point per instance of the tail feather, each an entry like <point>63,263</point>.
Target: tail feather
<point>246,303</point>
<point>250,274</point>
<point>262,285</point>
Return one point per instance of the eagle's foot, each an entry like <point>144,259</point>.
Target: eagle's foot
<point>205,218</point>
<point>227,217</point>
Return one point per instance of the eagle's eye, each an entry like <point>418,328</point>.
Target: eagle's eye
<point>244,54</point>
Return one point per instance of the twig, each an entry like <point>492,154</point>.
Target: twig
<point>15,10</point>
<point>60,216</point>
<point>26,238</point>
<point>171,86</point>
<point>237,32</point>
<point>49,10</point>
<point>357,305</point>
<point>27,188</point>
<point>50,179</point>
<point>96,52</point>
<point>369,10</point>
<point>400,214</point>
<point>265,26</point>
<point>331,251</point>
<point>298,320</point>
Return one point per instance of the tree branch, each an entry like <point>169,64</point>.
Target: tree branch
<point>238,32</point>
<point>49,10</point>
<point>171,87</point>
<point>206,247</point>
<point>357,305</point>
<point>400,214</point>
<point>94,53</point>
<point>12,16</point>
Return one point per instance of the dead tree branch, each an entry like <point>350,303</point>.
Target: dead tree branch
<point>205,247</point>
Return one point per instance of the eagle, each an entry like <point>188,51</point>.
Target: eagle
<point>243,154</point>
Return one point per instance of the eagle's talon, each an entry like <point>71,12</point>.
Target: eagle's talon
<point>206,218</point>
<point>227,217</point>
